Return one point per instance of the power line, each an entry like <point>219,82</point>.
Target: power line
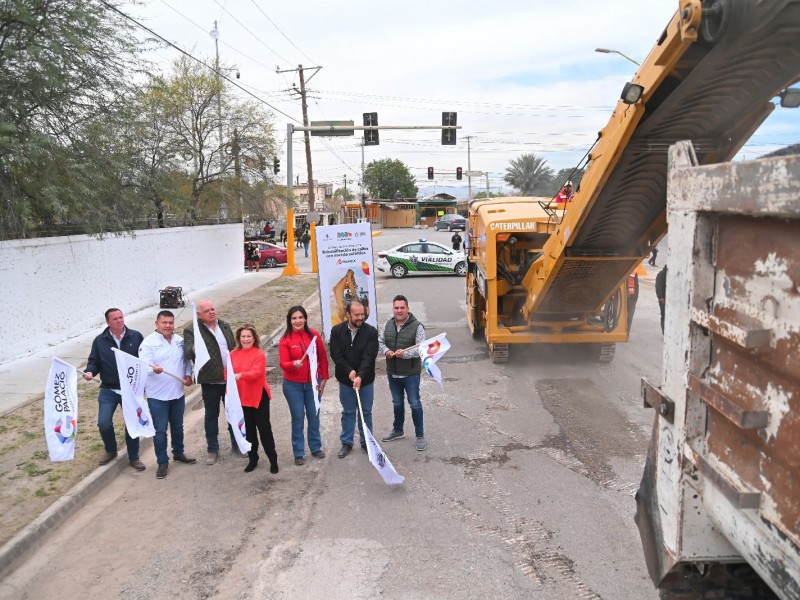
<point>182,51</point>
<point>258,39</point>
<point>281,32</point>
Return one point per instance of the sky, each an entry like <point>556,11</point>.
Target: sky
<point>523,76</point>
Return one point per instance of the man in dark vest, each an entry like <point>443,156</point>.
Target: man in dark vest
<point>219,340</point>
<point>661,293</point>
<point>403,368</point>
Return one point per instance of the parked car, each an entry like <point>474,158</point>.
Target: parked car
<point>421,257</point>
<point>451,222</point>
<point>271,255</point>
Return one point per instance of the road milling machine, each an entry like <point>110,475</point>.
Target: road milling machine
<point>539,273</point>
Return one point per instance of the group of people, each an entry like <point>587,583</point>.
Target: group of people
<point>354,347</point>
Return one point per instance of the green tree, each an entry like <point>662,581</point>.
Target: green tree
<point>67,69</point>
<point>188,110</point>
<point>343,195</point>
<point>530,175</point>
<point>384,178</point>
<point>481,195</point>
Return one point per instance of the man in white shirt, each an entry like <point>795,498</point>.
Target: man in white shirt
<point>163,351</point>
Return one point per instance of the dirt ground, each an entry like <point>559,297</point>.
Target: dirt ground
<point>30,483</point>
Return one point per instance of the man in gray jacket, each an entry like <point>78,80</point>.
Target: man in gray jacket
<point>219,340</point>
<point>403,368</point>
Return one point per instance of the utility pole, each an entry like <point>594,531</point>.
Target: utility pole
<point>469,167</point>
<point>306,135</point>
<point>222,207</point>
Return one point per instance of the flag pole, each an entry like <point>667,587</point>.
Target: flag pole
<point>84,373</point>
<point>168,373</point>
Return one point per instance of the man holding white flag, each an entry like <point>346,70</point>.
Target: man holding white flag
<point>162,350</point>
<point>432,350</point>
<point>102,362</point>
<point>61,410</point>
<point>403,368</point>
<point>133,377</point>
<point>207,342</point>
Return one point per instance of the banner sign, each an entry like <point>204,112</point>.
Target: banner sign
<point>61,410</point>
<point>346,272</point>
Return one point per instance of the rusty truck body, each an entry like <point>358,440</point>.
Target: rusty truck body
<point>720,493</point>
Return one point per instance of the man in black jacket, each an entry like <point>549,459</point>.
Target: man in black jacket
<point>354,347</point>
<point>219,340</point>
<point>102,362</point>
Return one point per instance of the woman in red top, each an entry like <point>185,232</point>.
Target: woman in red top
<point>297,385</point>
<point>250,366</point>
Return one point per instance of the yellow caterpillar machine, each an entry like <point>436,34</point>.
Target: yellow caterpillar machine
<point>540,274</point>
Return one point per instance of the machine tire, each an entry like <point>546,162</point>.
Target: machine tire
<point>718,581</point>
<point>604,352</point>
<point>270,262</point>
<point>398,271</point>
<point>473,316</point>
<point>461,269</point>
<point>499,353</point>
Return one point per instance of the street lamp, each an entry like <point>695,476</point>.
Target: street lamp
<point>610,51</point>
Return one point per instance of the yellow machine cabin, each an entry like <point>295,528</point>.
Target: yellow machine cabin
<point>505,237</point>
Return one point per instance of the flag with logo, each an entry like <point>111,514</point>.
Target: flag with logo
<point>377,456</point>
<point>311,351</point>
<point>132,373</point>
<point>233,409</point>
<point>432,350</point>
<point>61,410</point>
<point>201,355</point>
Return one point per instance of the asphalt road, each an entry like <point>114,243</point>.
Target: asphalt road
<point>525,490</point>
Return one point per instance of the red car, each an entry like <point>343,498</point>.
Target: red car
<point>271,255</point>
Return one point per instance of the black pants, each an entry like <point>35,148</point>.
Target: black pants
<point>661,307</point>
<point>213,395</point>
<point>256,424</point>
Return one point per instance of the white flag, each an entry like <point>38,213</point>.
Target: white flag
<point>378,458</point>
<point>201,355</point>
<point>61,410</point>
<point>233,409</point>
<point>312,364</point>
<point>432,350</point>
<point>135,410</point>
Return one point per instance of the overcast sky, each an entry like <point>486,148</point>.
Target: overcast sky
<point>523,76</point>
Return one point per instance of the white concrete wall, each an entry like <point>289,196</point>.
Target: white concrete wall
<point>52,289</point>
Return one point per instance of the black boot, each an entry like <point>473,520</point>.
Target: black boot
<point>252,462</point>
<point>273,462</point>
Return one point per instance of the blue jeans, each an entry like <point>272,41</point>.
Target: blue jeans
<point>213,395</point>
<point>107,402</point>
<point>347,397</point>
<point>305,247</point>
<point>167,412</point>
<point>409,385</point>
<point>300,397</point>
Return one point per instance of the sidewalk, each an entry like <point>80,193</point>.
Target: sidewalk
<point>22,380</point>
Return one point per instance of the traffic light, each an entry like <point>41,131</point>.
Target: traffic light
<point>459,173</point>
<point>449,135</point>
<point>276,165</point>
<point>430,172</point>
<point>371,135</point>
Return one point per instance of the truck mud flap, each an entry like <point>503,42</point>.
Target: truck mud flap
<point>648,516</point>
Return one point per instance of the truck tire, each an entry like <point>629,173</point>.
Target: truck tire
<point>738,581</point>
<point>473,308</point>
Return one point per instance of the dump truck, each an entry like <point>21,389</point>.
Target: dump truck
<point>540,273</point>
<point>718,508</point>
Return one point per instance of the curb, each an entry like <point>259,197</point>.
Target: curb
<point>32,536</point>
